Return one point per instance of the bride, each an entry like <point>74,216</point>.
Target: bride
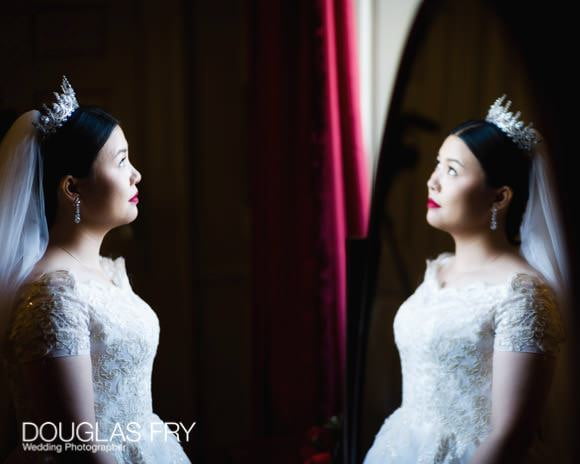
<point>78,343</point>
<point>479,338</point>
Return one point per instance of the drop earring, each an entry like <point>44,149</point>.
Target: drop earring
<point>493,224</point>
<point>77,213</point>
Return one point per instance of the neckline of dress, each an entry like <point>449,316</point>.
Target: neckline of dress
<point>109,269</point>
<point>436,264</point>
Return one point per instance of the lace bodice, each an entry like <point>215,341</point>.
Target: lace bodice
<point>58,315</point>
<point>446,337</point>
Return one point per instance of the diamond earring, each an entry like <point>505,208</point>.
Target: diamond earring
<point>77,213</point>
<point>493,224</point>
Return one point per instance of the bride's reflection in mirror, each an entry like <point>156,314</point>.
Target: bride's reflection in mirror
<point>481,340</point>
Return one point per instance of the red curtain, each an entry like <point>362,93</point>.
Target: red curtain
<point>309,194</point>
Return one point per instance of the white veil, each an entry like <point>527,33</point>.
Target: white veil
<point>541,232</point>
<point>543,246</point>
<point>23,229</point>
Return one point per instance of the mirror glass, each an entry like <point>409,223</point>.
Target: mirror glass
<point>466,60</point>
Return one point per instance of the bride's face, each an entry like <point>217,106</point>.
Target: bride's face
<point>457,185</point>
<point>107,193</point>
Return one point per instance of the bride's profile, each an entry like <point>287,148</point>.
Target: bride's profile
<point>480,337</point>
<point>78,343</point>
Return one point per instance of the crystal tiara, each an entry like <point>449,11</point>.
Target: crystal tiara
<point>52,118</point>
<point>524,137</point>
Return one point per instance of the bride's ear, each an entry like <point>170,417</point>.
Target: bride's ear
<point>503,197</point>
<point>69,187</point>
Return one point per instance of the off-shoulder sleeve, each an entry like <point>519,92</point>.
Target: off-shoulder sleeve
<point>50,320</point>
<point>528,319</point>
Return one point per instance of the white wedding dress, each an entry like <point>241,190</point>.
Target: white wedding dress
<point>446,337</point>
<point>58,315</point>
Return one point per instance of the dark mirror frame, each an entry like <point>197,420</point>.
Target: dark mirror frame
<point>545,37</point>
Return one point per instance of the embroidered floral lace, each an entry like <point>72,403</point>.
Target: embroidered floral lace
<point>446,337</point>
<point>57,315</point>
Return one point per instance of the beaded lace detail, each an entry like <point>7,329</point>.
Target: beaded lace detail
<point>58,315</point>
<point>446,337</point>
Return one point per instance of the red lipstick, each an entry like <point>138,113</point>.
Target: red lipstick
<point>432,203</point>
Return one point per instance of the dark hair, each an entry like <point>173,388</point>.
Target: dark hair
<point>72,150</point>
<point>503,163</point>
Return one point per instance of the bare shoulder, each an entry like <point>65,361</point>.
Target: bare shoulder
<point>514,263</point>
<point>50,262</point>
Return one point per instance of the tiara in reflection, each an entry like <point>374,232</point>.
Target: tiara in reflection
<point>524,137</point>
<point>52,118</point>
